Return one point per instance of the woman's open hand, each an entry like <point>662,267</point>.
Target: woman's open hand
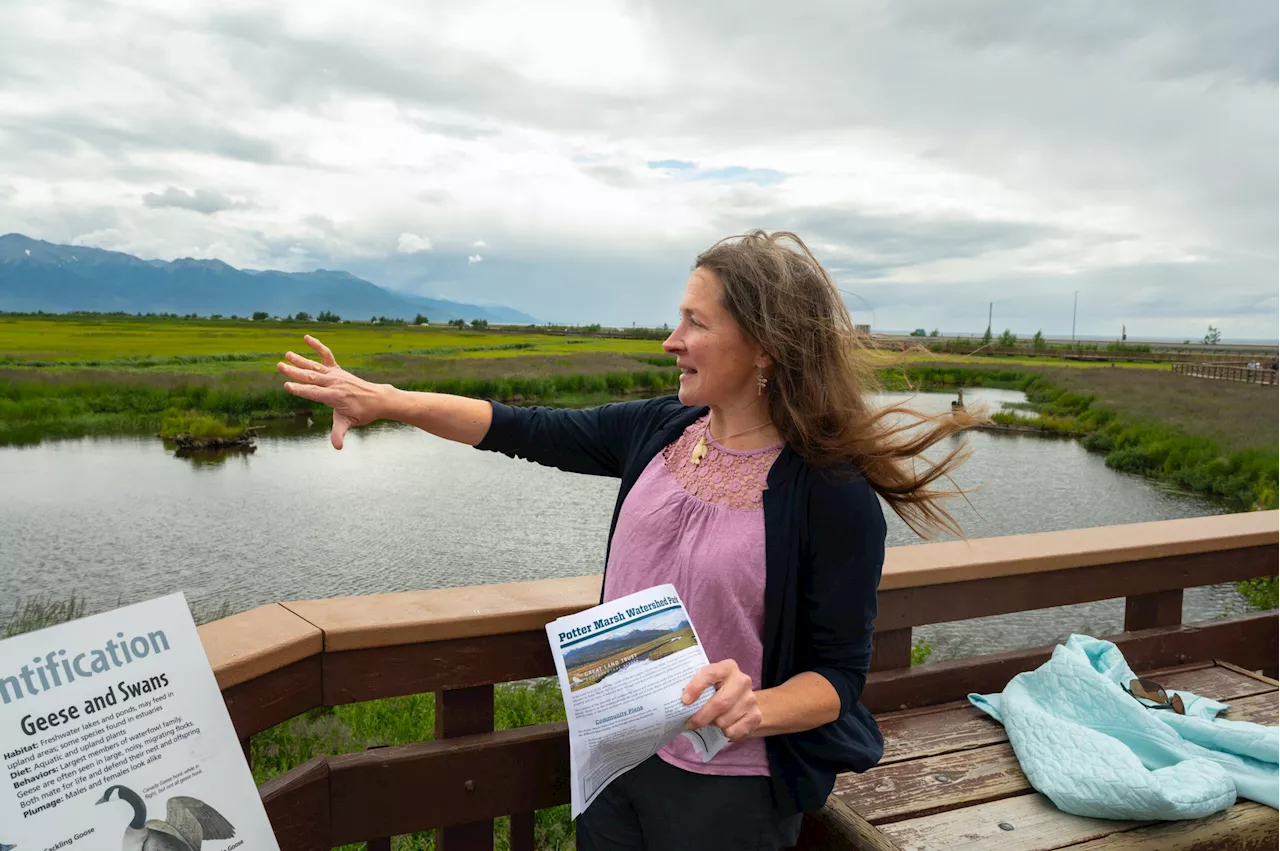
<point>355,402</point>
<point>733,708</point>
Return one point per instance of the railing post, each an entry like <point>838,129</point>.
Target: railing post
<point>891,649</point>
<point>522,832</point>
<point>1159,608</point>
<point>465,712</point>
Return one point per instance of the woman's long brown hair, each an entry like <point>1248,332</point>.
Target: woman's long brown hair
<point>821,381</point>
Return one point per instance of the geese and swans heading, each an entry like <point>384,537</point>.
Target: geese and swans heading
<point>188,822</point>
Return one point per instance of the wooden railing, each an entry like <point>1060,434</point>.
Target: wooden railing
<point>1259,375</point>
<point>280,660</point>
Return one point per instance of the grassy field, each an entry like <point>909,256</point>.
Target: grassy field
<point>208,346</point>
<point>75,376</point>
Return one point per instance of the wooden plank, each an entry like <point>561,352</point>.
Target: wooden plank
<point>1260,709</point>
<point>274,697</point>
<point>959,726</point>
<point>1148,611</point>
<point>411,617</point>
<point>1246,826</point>
<point>1254,674</point>
<point>1023,823</point>
<point>836,827</point>
<point>890,649</point>
<point>464,712</point>
<point>297,805</point>
<point>954,729</point>
<point>403,789</point>
<point>355,675</point>
<point>920,787</point>
<point>1034,589</point>
<point>257,642</point>
<point>1248,640</point>
<point>1217,681</point>
<point>958,561</point>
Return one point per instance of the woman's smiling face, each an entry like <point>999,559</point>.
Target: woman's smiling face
<point>718,363</point>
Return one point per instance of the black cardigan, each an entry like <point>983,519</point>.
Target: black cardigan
<point>824,548</point>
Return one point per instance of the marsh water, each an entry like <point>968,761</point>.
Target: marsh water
<point>123,519</point>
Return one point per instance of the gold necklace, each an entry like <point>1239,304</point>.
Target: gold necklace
<point>701,449</point>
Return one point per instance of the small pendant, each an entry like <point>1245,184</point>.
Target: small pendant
<point>699,452</point>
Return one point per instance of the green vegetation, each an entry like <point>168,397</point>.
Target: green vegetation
<point>1119,346</point>
<point>197,425</point>
<point>1246,476</point>
<point>33,410</point>
<point>32,613</point>
<point>76,376</point>
<point>921,650</point>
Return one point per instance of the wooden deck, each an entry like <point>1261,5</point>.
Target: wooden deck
<point>950,780</point>
<point>1264,375</point>
<point>280,660</point>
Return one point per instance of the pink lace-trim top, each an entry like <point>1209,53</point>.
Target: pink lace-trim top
<point>701,528</point>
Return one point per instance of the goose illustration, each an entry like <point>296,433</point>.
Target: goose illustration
<point>188,822</point>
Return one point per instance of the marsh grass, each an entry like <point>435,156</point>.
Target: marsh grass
<point>83,403</point>
<point>198,425</point>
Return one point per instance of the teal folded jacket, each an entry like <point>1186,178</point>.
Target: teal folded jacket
<point>1095,750</point>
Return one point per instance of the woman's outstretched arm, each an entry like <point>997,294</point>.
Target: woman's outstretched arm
<point>358,402</point>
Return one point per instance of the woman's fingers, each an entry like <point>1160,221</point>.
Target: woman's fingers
<point>305,376</point>
<point>323,395</point>
<point>321,349</point>
<point>304,363</point>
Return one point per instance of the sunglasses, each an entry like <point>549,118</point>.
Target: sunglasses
<point>1151,690</point>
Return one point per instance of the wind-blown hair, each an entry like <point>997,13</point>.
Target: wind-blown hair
<point>822,378</point>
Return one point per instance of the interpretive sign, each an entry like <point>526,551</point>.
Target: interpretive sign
<point>113,734</point>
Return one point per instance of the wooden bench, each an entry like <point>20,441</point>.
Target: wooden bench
<point>950,780</point>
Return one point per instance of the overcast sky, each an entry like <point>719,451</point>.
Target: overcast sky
<point>570,159</point>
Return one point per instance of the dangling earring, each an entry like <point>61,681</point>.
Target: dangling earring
<point>761,381</point>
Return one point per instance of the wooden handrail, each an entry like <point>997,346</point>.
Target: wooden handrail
<point>279,660</point>
<point>1041,552</point>
<point>1262,375</point>
<point>246,645</point>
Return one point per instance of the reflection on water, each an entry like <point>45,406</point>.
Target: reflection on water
<point>116,519</point>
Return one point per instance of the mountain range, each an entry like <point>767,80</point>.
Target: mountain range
<point>603,648</point>
<point>37,275</point>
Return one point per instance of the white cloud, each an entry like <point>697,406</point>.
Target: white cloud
<point>998,150</point>
<point>411,243</point>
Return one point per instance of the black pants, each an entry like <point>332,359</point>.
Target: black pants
<point>658,807</point>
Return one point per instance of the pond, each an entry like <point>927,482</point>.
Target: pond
<point>118,520</point>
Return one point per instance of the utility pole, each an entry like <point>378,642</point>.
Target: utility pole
<point>1074,301</point>
<point>989,304</point>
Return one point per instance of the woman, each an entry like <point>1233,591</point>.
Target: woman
<point>754,492</point>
